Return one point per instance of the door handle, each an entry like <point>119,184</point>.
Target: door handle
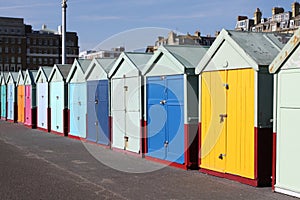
<point>96,101</point>
<point>222,116</point>
<point>163,102</point>
<point>221,156</point>
<point>166,143</point>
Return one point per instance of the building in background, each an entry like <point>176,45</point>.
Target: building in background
<point>113,53</point>
<point>188,39</point>
<point>21,47</point>
<point>280,21</point>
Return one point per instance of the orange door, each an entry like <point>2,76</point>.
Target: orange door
<point>21,102</point>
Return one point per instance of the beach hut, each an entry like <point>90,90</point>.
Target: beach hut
<point>286,137</point>
<point>98,100</point>
<point>0,92</point>
<point>126,101</point>
<point>4,96</point>
<point>12,108</point>
<point>171,102</point>
<point>20,96</point>
<point>77,98</point>
<point>42,98</point>
<point>236,106</point>
<point>59,99</point>
<point>30,98</point>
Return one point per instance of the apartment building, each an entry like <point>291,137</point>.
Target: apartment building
<point>21,47</point>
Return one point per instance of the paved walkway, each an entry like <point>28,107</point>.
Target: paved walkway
<point>40,165</point>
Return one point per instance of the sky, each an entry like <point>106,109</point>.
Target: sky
<point>135,24</point>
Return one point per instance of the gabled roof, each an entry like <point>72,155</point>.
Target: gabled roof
<point>138,60</point>
<point>4,78</point>
<point>106,63</point>
<point>186,56</point>
<point>62,69</point>
<point>30,75</point>
<point>285,53</point>
<point>258,49</point>
<point>84,63</point>
<point>20,79</point>
<point>13,76</point>
<point>81,64</point>
<point>43,70</point>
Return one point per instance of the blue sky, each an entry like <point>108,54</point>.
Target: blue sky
<point>125,22</point>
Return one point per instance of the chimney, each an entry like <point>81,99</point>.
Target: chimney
<point>257,16</point>
<point>277,10</point>
<point>295,9</point>
<point>239,18</point>
<point>197,33</point>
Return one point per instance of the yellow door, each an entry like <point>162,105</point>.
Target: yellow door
<point>213,121</point>
<point>227,122</point>
<point>21,102</point>
<point>240,123</point>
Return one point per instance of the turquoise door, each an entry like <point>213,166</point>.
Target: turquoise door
<point>10,101</point>
<point>77,103</point>
<point>3,101</point>
<point>57,106</point>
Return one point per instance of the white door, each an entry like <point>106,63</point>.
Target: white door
<point>42,105</point>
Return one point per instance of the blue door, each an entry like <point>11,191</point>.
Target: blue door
<point>165,118</point>
<point>97,112</point>
<point>77,102</point>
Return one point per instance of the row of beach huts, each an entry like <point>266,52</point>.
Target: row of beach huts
<point>231,110</point>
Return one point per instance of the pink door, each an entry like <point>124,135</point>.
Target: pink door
<point>28,105</point>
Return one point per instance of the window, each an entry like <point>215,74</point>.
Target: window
<point>50,42</point>
<point>19,49</point>
<point>40,41</point>
<point>6,49</point>
<point>0,59</point>
<point>12,59</point>
<point>19,59</point>
<point>34,41</point>
<point>13,40</point>
<point>0,49</point>
<point>28,60</point>
<point>34,60</point>
<point>28,51</point>
<point>28,40</point>
<point>40,61</point>
<point>6,59</point>
<point>12,50</point>
<point>6,40</point>
<point>19,40</point>
<point>45,61</point>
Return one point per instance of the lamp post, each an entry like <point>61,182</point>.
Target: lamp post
<point>64,8</point>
